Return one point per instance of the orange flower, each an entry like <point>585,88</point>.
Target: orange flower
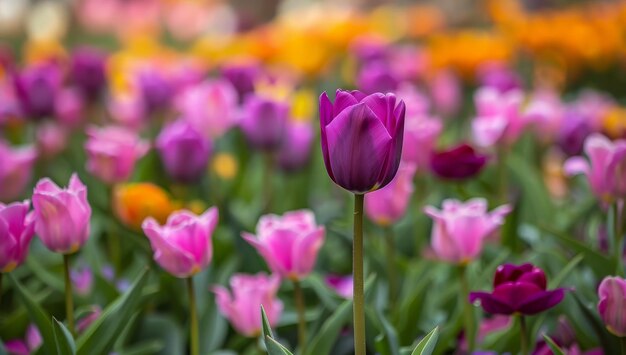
<point>133,202</point>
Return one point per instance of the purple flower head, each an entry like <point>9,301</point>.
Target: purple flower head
<point>377,77</point>
<point>36,88</point>
<point>295,151</point>
<point>457,163</point>
<point>184,151</point>
<point>498,76</point>
<point>264,121</point>
<point>87,70</point>
<point>242,75</point>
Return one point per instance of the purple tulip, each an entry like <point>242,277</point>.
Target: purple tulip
<point>295,151</point>
<point>388,205</point>
<point>264,121</point>
<point>457,163</point>
<point>242,75</point>
<point>15,170</point>
<point>342,285</point>
<point>36,88</point>
<point>289,243</point>
<point>94,313</point>
<point>17,228</point>
<point>369,49</point>
<point>62,215</point>
<point>612,294</point>
<point>29,345</point>
<point>183,245</point>
<point>82,279</point>
<point>361,139</point>
<point>87,70</point>
<point>155,88</point>
<point>376,77</point>
<point>9,105</point>
<point>573,132</point>
<point>69,108</point>
<point>184,151</point>
<point>518,289</point>
<point>499,76</point>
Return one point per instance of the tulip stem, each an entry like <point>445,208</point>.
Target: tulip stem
<point>357,269</point>
<point>523,335</point>
<point>69,299</point>
<point>467,311</point>
<point>622,342</point>
<point>391,258</point>
<point>299,296</point>
<point>193,318</point>
<point>268,185</point>
<point>1,274</point>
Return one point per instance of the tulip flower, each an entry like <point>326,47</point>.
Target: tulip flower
<point>15,170</point>
<point>388,205</point>
<point>264,121</point>
<point>69,108</point>
<point>457,163</point>
<point>295,151</point>
<point>243,307</point>
<point>51,139</point>
<point>361,139</point>
<point>16,231</point>
<point>612,294</point>
<point>184,151</point>
<point>499,120</point>
<point>128,110</point>
<point>242,75</point>
<point>29,345</point>
<point>342,285</point>
<point>94,313</point>
<point>573,132</point>
<point>420,136</point>
<point>451,239</point>
<point>112,153</point>
<point>36,88</point>
<point>155,88</point>
<point>133,203</point>
<point>445,89</point>
<point>376,77</point>
<point>498,76</point>
<point>87,71</point>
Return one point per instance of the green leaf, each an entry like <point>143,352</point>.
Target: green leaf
<point>273,347</point>
<point>556,350</point>
<point>146,348</point>
<point>387,341</point>
<point>100,336</point>
<point>555,282</point>
<point>323,342</point>
<point>427,344</point>
<point>608,342</point>
<point>266,331</point>
<point>64,339</point>
<point>38,315</point>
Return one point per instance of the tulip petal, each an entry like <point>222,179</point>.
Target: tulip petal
<point>326,116</point>
<point>542,301</point>
<point>172,258</point>
<point>305,251</point>
<point>576,165</point>
<point>491,304</point>
<point>343,100</point>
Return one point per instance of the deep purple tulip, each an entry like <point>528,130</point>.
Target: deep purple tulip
<point>264,121</point>
<point>573,132</point>
<point>87,70</point>
<point>361,139</point>
<point>184,151</point>
<point>518,289</point>
<point>155,88</point>
<point>36,88</point>
<point>458,163</point>
<point>377,77</point>
<point>242,75</point>
<point>295,151</point>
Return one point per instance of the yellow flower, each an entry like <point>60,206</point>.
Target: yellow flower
<point>133,202</point>
<point>615,122</point>
<point>303,105</point>
<point>225,166</point>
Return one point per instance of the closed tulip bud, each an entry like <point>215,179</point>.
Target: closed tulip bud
<point>112,153</point>
<point>62,215</point>
<point>388,205</point>
<point>15,170</point>
<point>87,70</point>
<point>36,88</point>
<point>452,240</point>
<point>184,151</point>
<point>612,294</point>
<point>17,228</point>
<point>243,307</point>
<point>156,89</point>
<point>289,243</point>
<point>295,151</point>
<point>361,139</point>
<point>183,245</point>
<point>264,121</point>
<point>457,163</point>
<point>29,345</point>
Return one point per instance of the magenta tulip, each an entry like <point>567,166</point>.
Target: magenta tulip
<point>184,151</point>
<point>87,70</point>
<point>242,75</point>
<point>82,279</point>
<point>498,118</point>
<point>342,285</point>
<point>15,170</point>
<point>62,215</point>
<point>17,228</point>
<point>445,89</point>
<point>36,87</point>
<point>29,345</point>
<point>612,294</point>
<point>457,163</point>
<point>183,245</point>
<point>69,108</point>
<point>289,243</point>
<point>51,139</point>
<point>295,151</point>
<point>388,205</point>
<point>243,307</point>
<point>361,139</point>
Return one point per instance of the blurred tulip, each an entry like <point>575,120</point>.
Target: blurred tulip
<point>361,139</point>
<point>445,89</point>
<point>243,307</point>
<point>573,132</point>
<point>612,294</point>
<point>457,163</point>
<point>289,243</point>
<point>498,118</point>
<point>112,153</point>
<point>36,88</point>
<point>184,151</point>
<point>376,77</point>
<point>264,121</point>
<point>87,71</point>
<point>155,88</point>
<point>132,203</point>
<point>69,108</point>
<point>16,170</point>
<point>17,228</point>
<point>342,285</point>
<point>370,49</point>
<point>127,110</point>
<point>51,139</point>
<point>84,323</point>
<point>29,345</point>
<point>420,137</point>
<point>242,75</point>
<point>183,245</point>
<point>82,279</point>
<point>545,112</point>
<point>295,151</point>
<point>9,105</point>
<point>388,205</point>
<point>452,240</point>
<point>62,215</point>
<point>518,289</point>
<point>408,63</point>
<point>498,76</point>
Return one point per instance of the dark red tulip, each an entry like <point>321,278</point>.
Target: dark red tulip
<point>460,162</point>
<point>518,289</point>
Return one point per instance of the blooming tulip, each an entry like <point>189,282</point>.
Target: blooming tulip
<point>264,121</point>
<point>36,88</point>
<point>183,245</point>
<point>518,289</point>
<point>289,243</point>
<point>612,294</point>
<point>460,228</point>
<point>184,151</point>
<point>16,231</point>
<point>387,205</point>
<point>361,139</point>
<point>498,120</point>
<point>296,148</point>
<point>62,215</point>
<point>112,153</point>
<point>457,163</point>
<point>15,170</point>
<point>242,75</point>
<point>243,307</point>
<point>87,71</point>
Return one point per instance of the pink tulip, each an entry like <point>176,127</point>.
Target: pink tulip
<point>183,245</point>
<point>82,279</point>
<point>289,243</point>
<point>388,205</point>
<point>446,93</point>
<point>51,139</point>
<point>128,110</point>
<point>498,119</point>
<point>420,137</point>
<point>15,170</point>
<point>69,107</point>
<point>243,307</point>
<point>460,228</point>
<point>342,285</point>
<point>28,345</point>
<point>612,294</point>
<point>545,112</point>
<point>605,169</point>
<point>62,215</point>
<point>112,153</point>
<point>16,231</point>
<point>94,313</point>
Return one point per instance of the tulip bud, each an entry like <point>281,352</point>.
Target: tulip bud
<point>36,88</point>
<point>342,285</point>
<point>17,228</point>
<point>388,205</point>
<point>612,294</point>
<point>242,76</point>
<point>184,151</point>
<point>264,121</point>
<point>457,163</point>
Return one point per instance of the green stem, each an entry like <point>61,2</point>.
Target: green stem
<point>617,240</point>
<point>357,269</point>
<point>523,335</point>
<point>1,289</point>
<point>299,296</point>
<point>391,270</point>
<point>69,299</point>
<point>193,319</point>
<point>502,178</point>
<point>268,184</point>
<point>115,248</point>
<point>468,315</point>
<point>622,342</point>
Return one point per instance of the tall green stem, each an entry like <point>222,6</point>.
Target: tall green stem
<point>357,269</point>
<point>299,296</point>
<point>468,316</point>
<point>69,299</point>
<point>617,239</point>
<point>193,319</point>
<point>268,184</point>
<point>391,261</point>
<point>523,335</point>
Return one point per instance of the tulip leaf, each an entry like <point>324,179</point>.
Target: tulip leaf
<point>556,350</point>
<point>38,315</point>
<point>565,271</point>
<point>426,346</point>
<point>323,342</point>
<point>266,331</point>
<point>64,339</point>
<point>101,334</point>
<point>273,346</point>
<point>387,340</point>
<point>145,348</point>
<point>608,343</point>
